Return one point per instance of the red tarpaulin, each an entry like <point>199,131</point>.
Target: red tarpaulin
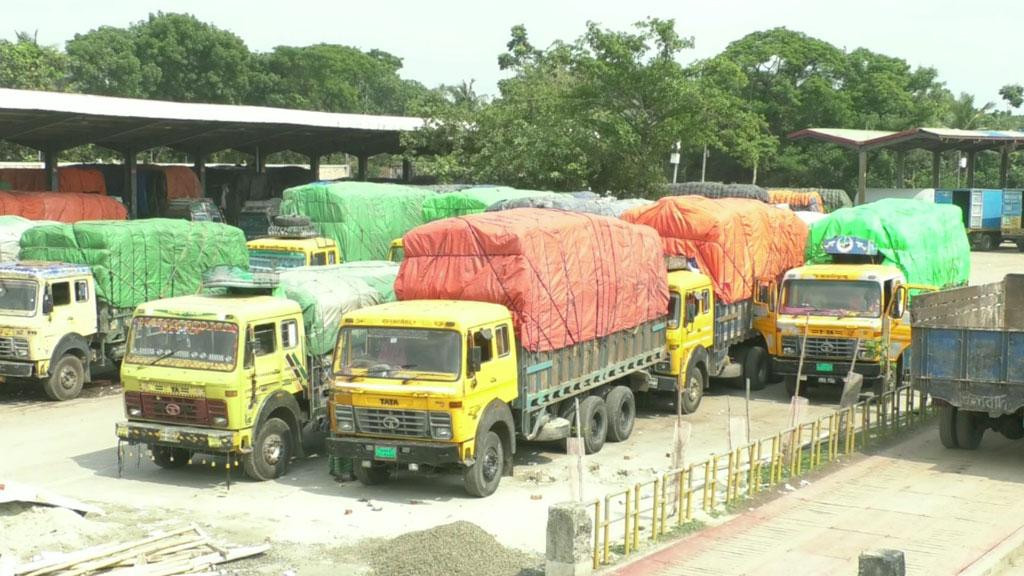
<point>71,179</point>
<point>61,206</point>
<point>566,277</point>
<point>735,241</point>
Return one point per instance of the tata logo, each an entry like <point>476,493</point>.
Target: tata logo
<point>827,348</point>
<point>390,423</point>
<point>388,402</point>
<point>172,409</point>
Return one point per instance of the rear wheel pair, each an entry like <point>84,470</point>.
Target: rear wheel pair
<point>960,428</point>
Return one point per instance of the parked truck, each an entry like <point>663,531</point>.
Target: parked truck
<point>64,309</point>
<point>501,328</point>
<point>242,372</point>
<point>721,312</point>
<point>291,242</point>
<point>982,212</point>
<point>847,307</point>
<point>967,357</point>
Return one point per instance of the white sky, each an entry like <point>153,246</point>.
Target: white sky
<point>456,40</point>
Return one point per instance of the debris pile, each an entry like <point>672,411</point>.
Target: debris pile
<point>456,549</point>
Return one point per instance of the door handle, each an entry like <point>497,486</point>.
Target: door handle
<point>493,380</point>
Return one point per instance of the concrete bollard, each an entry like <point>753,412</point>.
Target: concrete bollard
<point>882,563</point>
<point>570,541</point>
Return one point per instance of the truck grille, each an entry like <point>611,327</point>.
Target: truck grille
<point>175,409</point>
<point>822,347</point>
<point>13,347</point>
<point>411,423</point>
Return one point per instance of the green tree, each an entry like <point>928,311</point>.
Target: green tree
<point>103,61</point>
<point>27,65</point>
<point>1013,94</point>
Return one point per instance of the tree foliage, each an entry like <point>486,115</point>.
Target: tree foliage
<point>26,64</point>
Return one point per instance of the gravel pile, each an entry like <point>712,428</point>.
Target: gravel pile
<point>27,530</point>
<point>456,549</point>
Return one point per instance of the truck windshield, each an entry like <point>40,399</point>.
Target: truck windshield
<point>18,296</point>
<point>854,298</point>
<point>400,353</point>
<point>183,343</point>
<point>270,260</point>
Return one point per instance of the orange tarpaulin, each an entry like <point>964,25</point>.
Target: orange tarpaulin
<point>72,179</point>
<point>734,241</point>
<point>67,207</point>
<point>566,277</point>
<point>797,199</point>
<point>182,182</point>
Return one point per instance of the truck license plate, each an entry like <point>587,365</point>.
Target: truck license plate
<point>168,436</point>
<point>385,452</point>
<point>824,366</point>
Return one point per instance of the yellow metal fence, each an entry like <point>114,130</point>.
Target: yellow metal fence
<point>667,503</point>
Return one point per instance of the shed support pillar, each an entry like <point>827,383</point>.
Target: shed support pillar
<point>199,167</point>
<point>901,165</point>
<point>259,161</point>
<point>970,168</point>
<point>52,172</point>
<point>364,165</point>
<point>862,175</point>
<point>314,166</point>
<point>936,163</point>
<point>1004,166</point>
<point>407,172</point>
<point>131,184</point>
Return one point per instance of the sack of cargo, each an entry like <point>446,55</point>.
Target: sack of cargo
<point>61,206</point>
<point>566,277</point>
<point>139,260</point>
<point>926,241</point>
<point>361,217</point>
<point>718,190</point>
<point>472,201</point>
<point>11,230</point>
<point>325,294</point>
<point>797,200</point>
<point>736,242</point>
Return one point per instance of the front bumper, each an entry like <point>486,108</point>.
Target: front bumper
<point>818,371</point>
<point>429,453</point>
<point>665,382</point>
<point>197,439</point>
<point>15,369</point>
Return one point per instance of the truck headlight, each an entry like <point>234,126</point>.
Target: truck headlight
<point>219,421</point>
<point>441,425</point>
<point>789,350</point>
<point>866,354</point>
<point>135,412</point>
<point>345,418</point>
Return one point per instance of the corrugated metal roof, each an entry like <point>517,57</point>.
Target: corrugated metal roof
<point>52,119</point>
<point>926,138</point>
<point>848,137</point>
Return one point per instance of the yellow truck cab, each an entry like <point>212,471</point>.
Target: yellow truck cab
<point>220,374</point>
<point>707,338</point>
<point>291,242</point>
<point>396,252</point>
<point>50,324</point>
<point>837,314</point>
<point>444,383</point>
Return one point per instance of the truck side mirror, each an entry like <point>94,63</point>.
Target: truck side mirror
<point>47,301</point>
<point>899,302</point>
<point>475,359</point>
<point>691,310</point>
<point>250,350</point>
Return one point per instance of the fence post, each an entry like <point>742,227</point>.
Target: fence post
<point>569,544</point>
<point>882,563</point>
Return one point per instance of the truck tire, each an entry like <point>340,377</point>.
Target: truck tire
<point>66,378</point>
<point>621,405</point>
<point>295,221</point>
<point>968,430</point>
<point>1020,245</point>
<point>170,458</point>
<point>271,451</point>
<point>594,420</point>
<point>755,367</point>
<point>482,478</point>
<point>947,427</point>
<point>696,381</point>
<point>376,474</point>
<point>791,386</point>
<point>985,243</point>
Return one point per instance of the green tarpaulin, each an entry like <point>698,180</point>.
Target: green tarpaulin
<point>11,229</point>
<point>362,217</point>
<point>472,201</point>
<point>925,241</point>
<point>379,274</point>
<point>139,260</point>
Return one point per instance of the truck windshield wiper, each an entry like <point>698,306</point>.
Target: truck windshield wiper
<point>162,357</point>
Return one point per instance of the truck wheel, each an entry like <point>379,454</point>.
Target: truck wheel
<point>594,419</point>
<point>1020,245</point>
<point>984,242</point>
<point>293,221</point>
<point>170,458</point>
<point>968,429</point>
<point>694,391</point>
<point>621,406</point>
<point>271,451</point>
<point>482,478</point>
<point>376,474</point>
<point>66,378</point>
<point>947,427</point>
<point>755,367</point>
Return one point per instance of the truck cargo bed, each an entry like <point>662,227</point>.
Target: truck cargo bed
<point>549,377</point>
<point>734,323</point>
<point>968,345</point>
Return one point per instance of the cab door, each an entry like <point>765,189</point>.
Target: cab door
<point>73,308</point>
<point>765,303</point>
<point>265,360</point>
<point>898,319</point>
<point>496,374</point>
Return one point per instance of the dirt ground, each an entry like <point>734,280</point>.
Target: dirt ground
<point>70,448</point>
